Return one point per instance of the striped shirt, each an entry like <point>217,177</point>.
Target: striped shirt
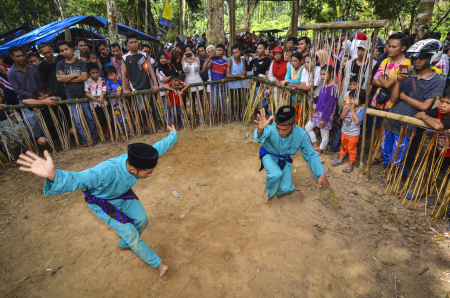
<point>428,87</point>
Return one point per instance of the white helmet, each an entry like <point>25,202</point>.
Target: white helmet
<point>431,48</point>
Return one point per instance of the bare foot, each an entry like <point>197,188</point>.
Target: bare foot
<point>162,269</point>
<point>265,196</point>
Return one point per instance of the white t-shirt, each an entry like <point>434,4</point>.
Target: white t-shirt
<point>317,80</point>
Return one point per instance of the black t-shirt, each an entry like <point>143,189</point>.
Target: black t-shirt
<point>259,66</point>
<point>105,61</point>
<point>3,115</point>
<point>137,70</point>
<point>435,114</point>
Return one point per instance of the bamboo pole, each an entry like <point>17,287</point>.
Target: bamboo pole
<point>348,25</point>
<point>372,139</point>
<point>400,118</point>
<point>369,80</point>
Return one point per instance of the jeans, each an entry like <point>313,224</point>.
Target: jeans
<point>85,106</point>
<point>141,99</point>
<point>336,139</point>
<point>388,150</point>
<point>175,112</point>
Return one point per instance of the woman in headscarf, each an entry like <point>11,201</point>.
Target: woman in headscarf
<point>277,70</point>
<point>163,72</point>
<point>176,61</point>
<point>293,77</point>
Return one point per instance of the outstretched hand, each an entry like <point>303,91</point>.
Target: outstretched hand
<point>262,122</point>
<point>37,165</point>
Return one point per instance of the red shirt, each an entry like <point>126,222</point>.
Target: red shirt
<point>174,99</point>
<point>244,42</point>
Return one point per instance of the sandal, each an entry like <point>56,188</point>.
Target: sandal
<point>347,170</point>
<point>376,162</point>
<point>410,196</point>
<point>432,202</point>
<point>336,163</point>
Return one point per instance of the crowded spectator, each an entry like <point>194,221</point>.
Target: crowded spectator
<point>164,71</point>
<point>201,50</point>
<point>10,129</point>
<point>95,88</point>
<point>43,97</point>
<point>47,71</point>
<point>324,113</point>
<point>136,66</point>
<point>146,48</point>
<point>116,60</point>
<point>33,59</point>
<point>304,45</point>
<point>9,96</point>
<point>291,47</point>
<point>293,77</point>
<point>353,70</point>
<point>92,57</point>
<point>73,73</point>
<point>247,40</point>
<point>412,92</point>
<point>24,80</point>
<point>259,65</point>
<point>191,67</point>
<point>236,69</point>
<point>218,71</point>
<point>105,56</point>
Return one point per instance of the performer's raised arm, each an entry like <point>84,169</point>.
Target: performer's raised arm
<point>166,143</point>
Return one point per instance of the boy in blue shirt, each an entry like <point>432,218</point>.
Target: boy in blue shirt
<point>114,86</point>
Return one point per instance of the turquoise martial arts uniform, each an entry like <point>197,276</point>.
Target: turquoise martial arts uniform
<point>279,181</point>
<point>109,180</point>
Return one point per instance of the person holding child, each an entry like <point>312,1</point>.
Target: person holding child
<point>114,87</point>
<point>352,117</point>
<point>175,98</point>
<point>326,105</point>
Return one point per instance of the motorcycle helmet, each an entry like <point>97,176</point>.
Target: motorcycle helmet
<point>430,48</point>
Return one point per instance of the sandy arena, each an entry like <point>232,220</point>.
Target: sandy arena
<point>219,239</point>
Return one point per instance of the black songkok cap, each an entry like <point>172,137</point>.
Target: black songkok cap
<point>285,115</point>
<point>142,156</point>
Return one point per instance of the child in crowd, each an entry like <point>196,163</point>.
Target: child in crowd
<point>175,97</point>
<point>96,86</point>
<point>33,59</point>
<point>92,57</point>
<point>326,105</point>
<point>352,117</point>
<point>114,86</point>
<point>439,119</point>
<point>352,85</point>
<point>43,96</point>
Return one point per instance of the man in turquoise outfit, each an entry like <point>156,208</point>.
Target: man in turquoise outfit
<point>107,190</point>
<point>280,140</point>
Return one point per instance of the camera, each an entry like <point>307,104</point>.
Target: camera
<point>293,49</point>
<point>248,49</point>
<point>188,54</point>
<point>215,58</point>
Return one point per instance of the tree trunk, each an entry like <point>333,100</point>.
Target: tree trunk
<point>62,8</point>
<point>215,33</point>
<point>146,16</point>
<point>250,11</point>
<point>300,11</point>
<point>424,17</point>
<point>183,20</point>
<point>112,21</point>
<point>189,24</point>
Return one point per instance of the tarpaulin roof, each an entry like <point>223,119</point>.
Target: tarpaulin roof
<point>123,30</point>
<point>270,31</point>
<point>24,28</point>
<point>298,28</point>
<point>55,27</point>
<point>75,32</point>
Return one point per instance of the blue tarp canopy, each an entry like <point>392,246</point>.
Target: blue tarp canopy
<point>123,30</point>
<point>17,32</point>
<point>59,26</point>
<point>75,32</point>
<point>298,28</point>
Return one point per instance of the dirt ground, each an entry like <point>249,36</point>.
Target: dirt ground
<point>219,239</point>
